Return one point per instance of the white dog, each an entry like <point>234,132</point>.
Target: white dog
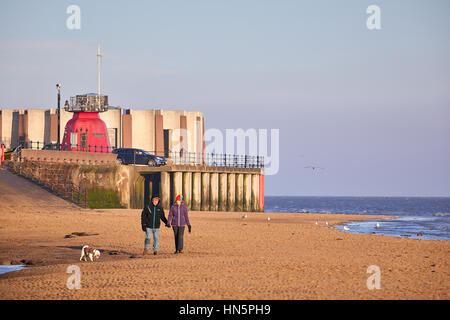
<point>86,252</point>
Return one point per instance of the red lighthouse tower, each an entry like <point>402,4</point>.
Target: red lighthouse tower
<point>86,131</point>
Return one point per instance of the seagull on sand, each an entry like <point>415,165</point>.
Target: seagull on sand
<point>244,216</point>
<point>326,222</point>
<point>346,228</point>
<point>317,223</point>
<point>268,218</point>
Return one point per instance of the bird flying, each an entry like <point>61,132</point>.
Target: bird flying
<point>314,167</point>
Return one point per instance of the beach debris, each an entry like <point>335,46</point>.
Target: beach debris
<point>326,222</point>
<point>80,234</point>
<point>114,252</point>
<point>377,225</point>
<point>317,223</point>
<point>26,262</point>
<point>244,216</point>
<point>346,228</point>
<point>420,234</point>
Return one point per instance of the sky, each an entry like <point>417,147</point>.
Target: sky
<point>371,107</point>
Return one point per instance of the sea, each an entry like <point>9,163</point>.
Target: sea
<point>415,217</point>
<point>10,268</point>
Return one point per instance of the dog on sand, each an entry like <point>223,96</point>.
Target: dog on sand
<point>88,252</point>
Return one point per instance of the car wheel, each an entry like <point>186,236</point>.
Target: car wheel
<point>152,163</point>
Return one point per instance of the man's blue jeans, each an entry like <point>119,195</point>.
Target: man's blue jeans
<point>148,237</point>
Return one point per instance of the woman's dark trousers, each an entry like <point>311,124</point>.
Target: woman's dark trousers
<point>178,233</point>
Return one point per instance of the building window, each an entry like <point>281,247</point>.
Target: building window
<point>83,140</point>
<point>112,134</point>
<point>73,139</point>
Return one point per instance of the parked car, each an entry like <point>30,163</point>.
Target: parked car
<point>52,146</point>
<point>138,156</point>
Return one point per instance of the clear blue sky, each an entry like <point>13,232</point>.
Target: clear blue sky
<point>371,107</point>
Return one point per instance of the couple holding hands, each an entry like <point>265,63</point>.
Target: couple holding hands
<point>178,219</point>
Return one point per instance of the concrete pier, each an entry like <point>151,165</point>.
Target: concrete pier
<point>247,192</point>
<point>177,184</point>
<point>231,192</point>
<point>196,191</point>
<point>205,191</point>
<point>223,191</point>
<point>203,188</point>
<point>165,190</point>
<point>187,189</point>
<point>239,192</point>
<point>214,192</point>
<point>255,192</point>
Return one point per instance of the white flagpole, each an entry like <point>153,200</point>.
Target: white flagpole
<point>98,76</point>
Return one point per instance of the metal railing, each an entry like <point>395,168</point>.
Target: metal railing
<point>172,157</point>
<point>50,179</point>
<point>37,145</point>
<point>216,159</point>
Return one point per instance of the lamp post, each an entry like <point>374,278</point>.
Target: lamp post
<point>58,87</point>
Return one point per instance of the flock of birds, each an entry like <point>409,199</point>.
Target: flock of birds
<point>377,225</point>
<point>317,223</point>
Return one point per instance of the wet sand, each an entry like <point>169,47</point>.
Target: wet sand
<point>226,257</point>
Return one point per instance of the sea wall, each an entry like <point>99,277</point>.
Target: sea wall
<point>132,186</point>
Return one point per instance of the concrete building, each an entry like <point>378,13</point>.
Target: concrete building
<point>158,131</point>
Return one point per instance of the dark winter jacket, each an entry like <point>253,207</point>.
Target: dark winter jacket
<point>151,216</point>
<point>178,216</point>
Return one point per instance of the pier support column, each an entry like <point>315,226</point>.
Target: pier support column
<point>177,184</point>
<point>261,192</point>
<point>223,191</point>
<point>231,189</point>
<point>255,192</point>
<point>187,189</point>
<point>205,191</point>
<point>239,192</point>
<point>214,192</point>
<point>247,192</point>
<point>165,190</point>
<point>196,191</point>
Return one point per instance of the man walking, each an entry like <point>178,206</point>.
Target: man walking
<point>178,218</point>
<point>150,221</point>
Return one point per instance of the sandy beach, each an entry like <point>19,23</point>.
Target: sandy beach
<point>226,256</point>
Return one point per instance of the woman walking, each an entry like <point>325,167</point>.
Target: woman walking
<point>178,218</point>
